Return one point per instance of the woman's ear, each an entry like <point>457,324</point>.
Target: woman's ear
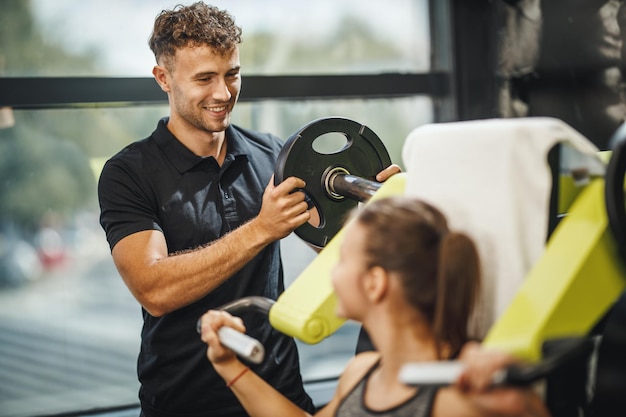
<point>376,284</point>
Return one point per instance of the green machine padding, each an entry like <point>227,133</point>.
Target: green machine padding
<point>571,287</point>
<point>306,309</point>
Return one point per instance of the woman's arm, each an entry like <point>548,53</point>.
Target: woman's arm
<point>258,397</point>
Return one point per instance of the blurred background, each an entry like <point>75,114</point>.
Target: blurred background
<point>69,328</point>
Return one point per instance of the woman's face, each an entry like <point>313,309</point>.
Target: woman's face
<point>348,272</point>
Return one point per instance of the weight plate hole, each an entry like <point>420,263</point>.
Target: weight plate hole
<point>316,220</point>
<point>330,143</point>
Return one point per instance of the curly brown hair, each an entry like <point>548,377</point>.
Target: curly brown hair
<point>194,25</point>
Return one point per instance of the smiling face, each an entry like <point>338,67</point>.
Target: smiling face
<point>203,87</point>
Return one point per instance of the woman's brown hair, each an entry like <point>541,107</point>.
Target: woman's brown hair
<point>439,268</point>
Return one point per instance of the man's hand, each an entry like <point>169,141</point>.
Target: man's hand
<point>388,172</point>
<point>283,208</point>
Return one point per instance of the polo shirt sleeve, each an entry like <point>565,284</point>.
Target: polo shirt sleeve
<point>125,206</point>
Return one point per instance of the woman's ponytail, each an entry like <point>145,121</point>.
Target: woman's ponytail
<point>438,269</point>
<point>458,281</point>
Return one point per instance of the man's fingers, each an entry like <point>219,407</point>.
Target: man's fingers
<point>289,184</point>
<point>388,172</point>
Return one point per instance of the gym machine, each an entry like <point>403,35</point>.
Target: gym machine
<point>567,293</point>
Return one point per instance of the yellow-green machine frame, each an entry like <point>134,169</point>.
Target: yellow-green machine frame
<point>571,287</point>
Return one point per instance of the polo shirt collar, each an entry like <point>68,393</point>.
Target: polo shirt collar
<point>183,159</point>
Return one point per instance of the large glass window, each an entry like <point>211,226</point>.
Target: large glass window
<point>280,37</point>
<point>69,328</point>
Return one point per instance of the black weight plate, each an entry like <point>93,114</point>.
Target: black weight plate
<point>364,155</point>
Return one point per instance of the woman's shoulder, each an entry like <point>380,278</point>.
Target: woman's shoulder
<point>352,374</point>
<point>356,369</point>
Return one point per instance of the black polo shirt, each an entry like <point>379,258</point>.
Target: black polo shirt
<point>159,184</point>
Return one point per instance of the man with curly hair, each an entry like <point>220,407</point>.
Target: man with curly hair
<point>194,220</point>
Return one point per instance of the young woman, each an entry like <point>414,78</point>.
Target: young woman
<point>412,283</point>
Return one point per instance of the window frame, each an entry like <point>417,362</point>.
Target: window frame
<point>70,92</point>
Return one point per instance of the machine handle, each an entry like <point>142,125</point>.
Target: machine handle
<point>442,373</point>
<point>245,346</point>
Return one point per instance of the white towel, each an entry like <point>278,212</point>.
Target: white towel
<point>492,180</point>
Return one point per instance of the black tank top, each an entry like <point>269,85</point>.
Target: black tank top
<point>353,405</point>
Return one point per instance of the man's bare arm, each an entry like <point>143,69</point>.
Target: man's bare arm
<point>163,282</point>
